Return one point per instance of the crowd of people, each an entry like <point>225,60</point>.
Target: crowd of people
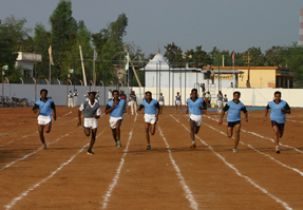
<point>90,111</point>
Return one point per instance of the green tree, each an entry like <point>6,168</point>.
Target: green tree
<point>13,34</point>
<point>110,47</point>
<point>42,39</point>
<point>174,54</point>
<point>64,35</point>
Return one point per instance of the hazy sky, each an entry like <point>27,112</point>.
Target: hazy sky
<point>227,24</point>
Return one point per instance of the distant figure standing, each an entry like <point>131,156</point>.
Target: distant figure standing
<point>75,97</point>
<point>220,101</point>
<point>70,100</point>
<point>45,107</point>
<point>133,102</point>
<point>161,102</point>
<point>208,99</point>
<point>225,100</point>
<point>178,101</point>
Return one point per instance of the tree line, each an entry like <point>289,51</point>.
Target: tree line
<point>105,51</point>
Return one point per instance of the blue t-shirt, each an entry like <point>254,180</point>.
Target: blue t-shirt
<point>119,109</point>
<point>45,107</point>
<point>276,113</point>
<point>151,107</point>
<point>234,110</point>
<point>194,107</point>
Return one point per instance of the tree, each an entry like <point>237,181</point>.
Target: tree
<point>64,34</point>
<point>110,47</point>
<point>42,41</point>
<point>174,54</point>
<point>12,36</point>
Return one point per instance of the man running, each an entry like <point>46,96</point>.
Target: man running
<point>234,108</point>
<point>278,109</point>
<point>151,112</point>
<point>116,108</point>
<point>45,107</point>
<point>91,112</point>
<point>195,107</point>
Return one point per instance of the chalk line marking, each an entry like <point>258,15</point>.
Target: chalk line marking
<point>22,195</point>
<point>113,184</point>
<point>264,137</point>
<point>188,193</point>
<point>296,170</point>
<point>237,172</point>
<point>32,153</point>
<point>15,200</point>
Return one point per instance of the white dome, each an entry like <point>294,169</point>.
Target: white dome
<point>157,63</point>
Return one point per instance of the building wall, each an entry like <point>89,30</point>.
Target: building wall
<point>250,97</point>
<point>259,78</point>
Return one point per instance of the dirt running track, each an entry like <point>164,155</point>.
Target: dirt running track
<point>171,176</point>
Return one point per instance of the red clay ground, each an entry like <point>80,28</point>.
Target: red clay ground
<point>171,176</point>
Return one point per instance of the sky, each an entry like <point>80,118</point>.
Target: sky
<point>226,24</point>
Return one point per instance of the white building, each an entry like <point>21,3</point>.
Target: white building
<point>26,61</point>
<point>161,78</point>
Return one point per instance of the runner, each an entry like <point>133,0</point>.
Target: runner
<point>278,109</point>
<point>234,108</point>
<point>91,112</point>
<point>116,108</point>
<point>151,112</point>
<point>45,107</point>
<point>195,107</point>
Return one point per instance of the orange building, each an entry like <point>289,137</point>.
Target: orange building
<point>262,76</point>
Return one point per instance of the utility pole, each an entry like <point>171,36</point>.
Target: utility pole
<point>247,59</point>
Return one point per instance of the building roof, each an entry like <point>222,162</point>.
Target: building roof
<point>158,62</point>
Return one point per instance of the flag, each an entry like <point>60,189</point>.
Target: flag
<point>127,57</point>
<point>95,54</point>
<point>233,57</point>
<point>50,55</point>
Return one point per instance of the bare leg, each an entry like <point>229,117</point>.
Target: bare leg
<point>237,135</point>
<point>147,131</point>
<point>277,135</point>
<point>193,128</point>
<point>118,132</point>
<point>41,135</point>
<point>87,131</point>
<point>48,127</point>
<point>92,140</point>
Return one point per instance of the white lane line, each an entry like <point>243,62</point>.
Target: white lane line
<point>264,137</point>
<point>32,153</point>
<point>237,172</point>
<point>188,193</point>
<point>68,113</point>
<point>295,121</point>
<point>114,182</point>
<point>15,200</point>
<point>296,170</point>
<point>22,195</point>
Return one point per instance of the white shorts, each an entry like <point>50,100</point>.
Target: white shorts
<point>161,103</point>
<point>90,122</point>
<point>44,120</point>
<point>196,118</point>
<point>113,121</point>
<point>150,118</point>
<point>178,102</point>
